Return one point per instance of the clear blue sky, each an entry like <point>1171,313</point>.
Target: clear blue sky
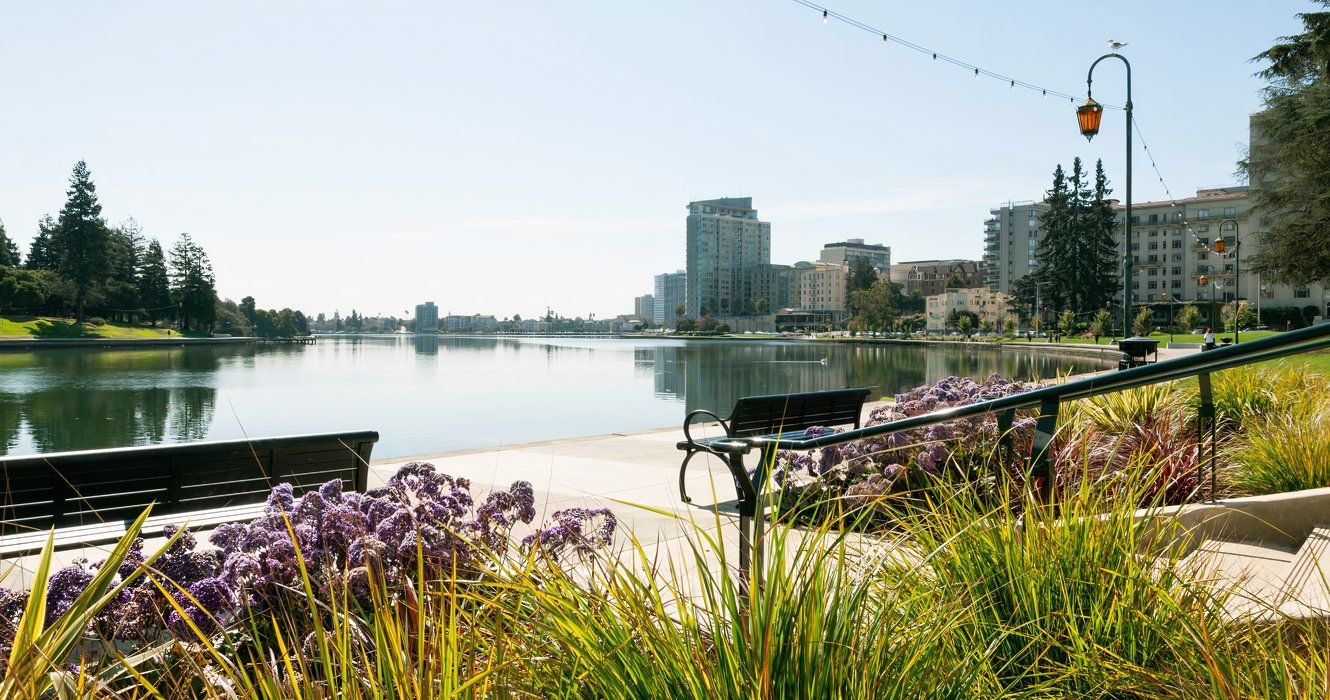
<point>501,156</point>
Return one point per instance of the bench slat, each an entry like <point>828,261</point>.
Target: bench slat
<point>78,489</point>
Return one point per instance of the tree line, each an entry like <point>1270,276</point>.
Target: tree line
<point>79,265</point>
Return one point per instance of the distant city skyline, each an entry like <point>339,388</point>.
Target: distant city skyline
<point>332,156</point>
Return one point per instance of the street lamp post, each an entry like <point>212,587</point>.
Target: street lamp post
<point>1169,299</point>
<point>1237,273</point>
<point>1038,309</point>
<point>1214,311</point>
<point>1089,115</point>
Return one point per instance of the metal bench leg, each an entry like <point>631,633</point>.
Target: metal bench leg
<point>683,493</point>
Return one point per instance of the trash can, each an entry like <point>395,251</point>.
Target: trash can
<point>1138,351</point>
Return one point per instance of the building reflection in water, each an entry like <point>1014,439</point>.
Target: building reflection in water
<point>715,375</point>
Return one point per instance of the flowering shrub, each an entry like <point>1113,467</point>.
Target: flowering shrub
<point>420,519</point>
<point>864,471</point>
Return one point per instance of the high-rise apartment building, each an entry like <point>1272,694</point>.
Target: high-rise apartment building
<point>843,253</point>
<point>644,307</point>
<point>427,317</point>
<point>1011,236</point>
<point>671,288</point>
<point>725,243</point>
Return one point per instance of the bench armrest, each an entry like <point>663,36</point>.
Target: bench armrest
<point>687,421</point>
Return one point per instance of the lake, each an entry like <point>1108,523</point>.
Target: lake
<point>433,394</point>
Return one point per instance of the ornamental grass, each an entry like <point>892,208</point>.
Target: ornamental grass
<point>892,570</point>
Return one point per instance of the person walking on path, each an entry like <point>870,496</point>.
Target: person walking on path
<point>1209,339</point>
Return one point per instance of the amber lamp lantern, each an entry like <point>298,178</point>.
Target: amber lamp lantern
<point>1089,115</point>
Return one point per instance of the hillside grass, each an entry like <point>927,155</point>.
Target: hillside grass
<point>39,327</point>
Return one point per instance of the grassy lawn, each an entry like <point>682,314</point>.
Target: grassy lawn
<point>1177,337</point>
<point>29,327</point>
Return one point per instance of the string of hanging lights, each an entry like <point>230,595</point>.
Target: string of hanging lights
<point>888,38</point>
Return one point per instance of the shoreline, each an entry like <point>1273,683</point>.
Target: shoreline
<point>37,343</point>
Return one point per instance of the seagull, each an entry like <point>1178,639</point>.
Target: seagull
<point>1114,45</point>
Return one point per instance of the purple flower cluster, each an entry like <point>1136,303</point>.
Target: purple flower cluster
<point>866,470</point>
<point>574,531</point>
<point>420,518</point>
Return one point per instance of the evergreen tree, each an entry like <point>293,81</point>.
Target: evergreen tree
<point>1288,165</point>
<point>8,249</point>
<point>192,284</point>
<point>1100,279</point>
<point>248,308</point>
<point>44,253</point>
<point>82,239</point>
<point>125,253</point>
<point>1078,251</point>
<point>154,284</point>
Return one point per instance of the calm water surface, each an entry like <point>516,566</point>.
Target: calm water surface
<point>434,394</point>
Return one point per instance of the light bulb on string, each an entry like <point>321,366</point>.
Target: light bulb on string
<point>934,56</point>
<point>824,17</point>
<point>1013,85</point>
<point>884,38</point>
<point>976,72</point>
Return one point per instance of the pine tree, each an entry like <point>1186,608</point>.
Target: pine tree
<point>192,284</point>
<point>154,285</point>
<point>1101,250</point>
<point>1288,165</point>
<point>83,238</point>
<point>125,253</point>
<point>8,249</point>
<point>44,254</point>
<point>1077,252</point>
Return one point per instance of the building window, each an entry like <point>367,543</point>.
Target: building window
<point>1154,219</point>
<point>1202,213</point>
<point>1154,233</point>
<point>1301,293</point>
<point>1230,211</point>
<point>1177,244</point>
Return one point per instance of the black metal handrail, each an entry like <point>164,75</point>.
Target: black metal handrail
<point>1049,399</point>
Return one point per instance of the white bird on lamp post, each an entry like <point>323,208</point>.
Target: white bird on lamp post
<point>1114,45</point>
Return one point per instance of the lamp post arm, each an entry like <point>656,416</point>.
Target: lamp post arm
<point>1126,234</point>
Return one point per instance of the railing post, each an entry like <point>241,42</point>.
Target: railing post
<point>1205,418</point>
<point>1040,466</point>
<point>1004,421</point>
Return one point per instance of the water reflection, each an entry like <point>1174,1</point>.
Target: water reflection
<point>429,394</point>
<point>66,399</point>
<point>715,375</point>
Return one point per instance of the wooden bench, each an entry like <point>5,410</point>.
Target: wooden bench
<point>784,416</point>
<point>779,416</point>
<point>90,496</point>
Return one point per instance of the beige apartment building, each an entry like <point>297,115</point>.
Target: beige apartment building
<point>983,302</point>
<point>822,286</point>
<point>930,276</point>
<point>1173,246</point>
